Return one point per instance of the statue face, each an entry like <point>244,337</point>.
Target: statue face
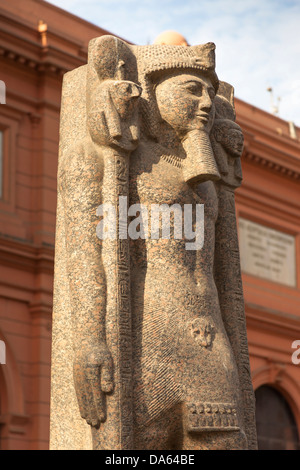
<point>185,102</point>
<point>234,142</point>
<point>232,139</point>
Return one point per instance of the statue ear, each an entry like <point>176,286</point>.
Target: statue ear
<point>112,58</point>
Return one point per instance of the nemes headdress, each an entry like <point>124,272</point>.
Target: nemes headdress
<point>155,61</point>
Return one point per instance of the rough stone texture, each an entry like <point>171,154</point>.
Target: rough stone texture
<point>149,339</point>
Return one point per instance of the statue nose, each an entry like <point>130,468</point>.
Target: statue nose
<point>205,103</point>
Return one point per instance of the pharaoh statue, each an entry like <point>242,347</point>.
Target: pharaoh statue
<point>149,337</point>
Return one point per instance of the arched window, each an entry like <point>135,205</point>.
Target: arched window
<point>276,425</point>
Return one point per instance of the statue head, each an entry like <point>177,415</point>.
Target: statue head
<point>179,84</point>
<point>227,136</point>
<point>112,94</point>
<point>226,131</point>
<point>162,70</point>
<point>230,136</point>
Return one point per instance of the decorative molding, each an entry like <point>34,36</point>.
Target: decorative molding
<point>35,118</point>
<point>282,169</point>
<point>26,256</point>
<point>19,105</point>
<point>271,320</point>
<point>270,130</point>
<point>16,423</point>
<point>41,310</point>
<point>266,148</point>
<point>48,64</point>
<point>271,373</point>
<point>277,375</point>
<point>35,56</point>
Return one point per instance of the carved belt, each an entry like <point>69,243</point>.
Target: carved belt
<point>212,417</point>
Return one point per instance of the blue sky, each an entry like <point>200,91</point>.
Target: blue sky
<point>258,41</point>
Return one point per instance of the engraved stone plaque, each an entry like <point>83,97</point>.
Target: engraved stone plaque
<point>267,253</point>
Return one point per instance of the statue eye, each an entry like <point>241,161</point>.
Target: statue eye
<point>124,87</point>
<point>194,88</point>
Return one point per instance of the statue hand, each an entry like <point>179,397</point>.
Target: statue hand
<point>93,378</point>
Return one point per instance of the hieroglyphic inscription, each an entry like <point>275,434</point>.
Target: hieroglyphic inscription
<point>212,417</point>
<point>267,253</point>
<point>124,311</point>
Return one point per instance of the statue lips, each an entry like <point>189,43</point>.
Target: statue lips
<point>203,117</point>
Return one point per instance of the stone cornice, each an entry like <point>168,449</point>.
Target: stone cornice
<point>47,60</point>
<point>25,256</point>
<point>21,42</point>
<point>268,135</point>
<point>265,146</point>
<point>272,320</point>
<point>279,154</point>
<point>281,168</point>
<point>28,51</point>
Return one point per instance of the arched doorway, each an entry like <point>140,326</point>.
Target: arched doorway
<point>276,425</point>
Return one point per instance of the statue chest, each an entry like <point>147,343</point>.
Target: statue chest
<point>161,182</point>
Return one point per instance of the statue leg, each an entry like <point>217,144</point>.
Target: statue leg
<point>165,433</point>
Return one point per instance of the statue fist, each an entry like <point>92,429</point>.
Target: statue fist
<point>93,378</point>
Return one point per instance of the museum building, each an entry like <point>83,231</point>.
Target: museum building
<point>38,44</point>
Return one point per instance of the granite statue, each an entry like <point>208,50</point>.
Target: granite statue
<point>149,337</point>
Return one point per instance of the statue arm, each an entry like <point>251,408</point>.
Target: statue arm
<point>80,186</point>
